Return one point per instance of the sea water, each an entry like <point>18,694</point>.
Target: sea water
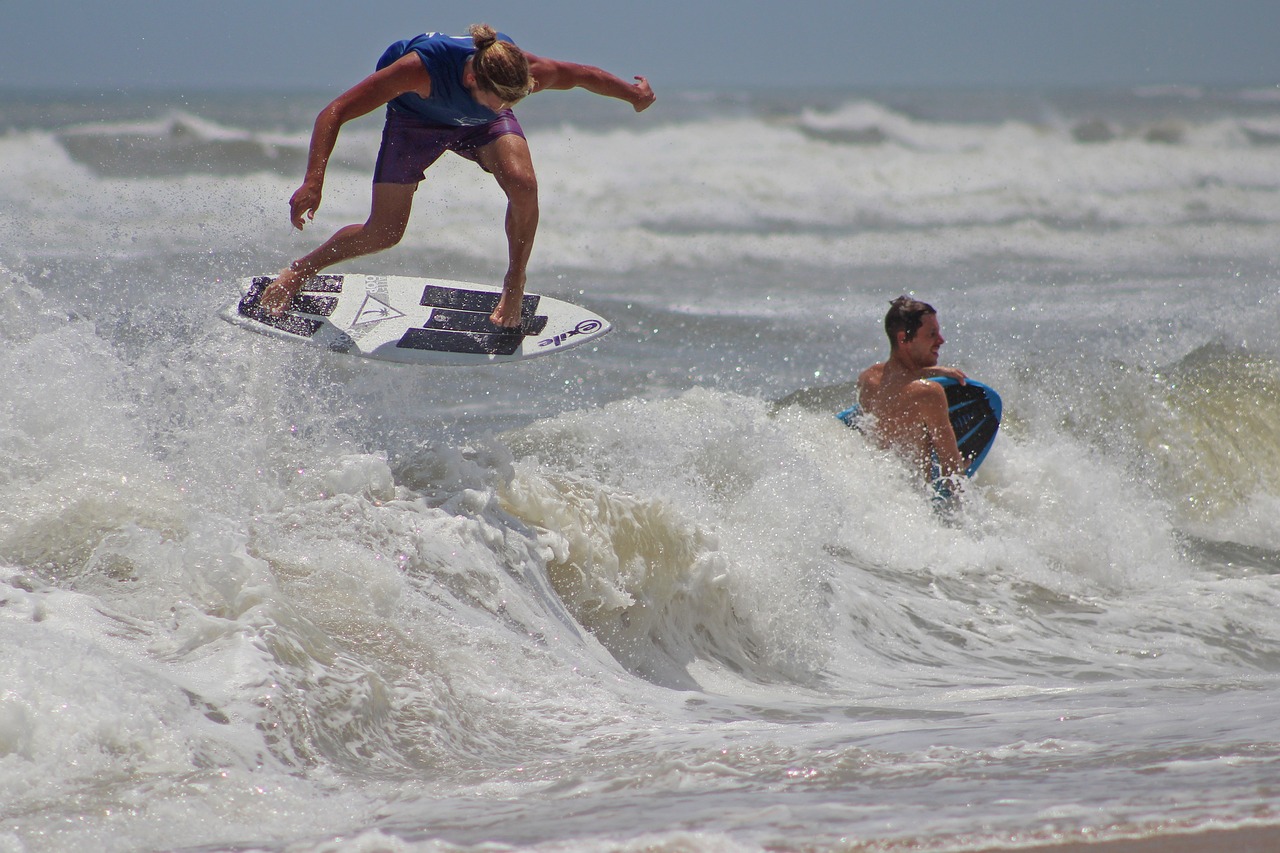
<point>649,594</point>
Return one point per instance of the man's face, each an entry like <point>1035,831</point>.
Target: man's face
<point>923,348</point>
<point>489,100</point>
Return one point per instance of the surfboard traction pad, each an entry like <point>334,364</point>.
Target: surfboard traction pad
<point>459,320</point>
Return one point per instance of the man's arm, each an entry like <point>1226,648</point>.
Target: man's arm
<point>406,74</point>
<point>937,425</point>
<point>952,372</point>
<point>554,74</point>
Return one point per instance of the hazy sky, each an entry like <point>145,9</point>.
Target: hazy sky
<point>327,45</point>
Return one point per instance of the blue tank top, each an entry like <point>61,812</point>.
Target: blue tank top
<point>444,57</point>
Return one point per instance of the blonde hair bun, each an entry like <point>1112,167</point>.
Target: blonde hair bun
<point>482,36</point>
<point>500,67</point>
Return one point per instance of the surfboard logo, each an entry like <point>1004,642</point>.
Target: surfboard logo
<point>342,342</point>
<point>374,310</point>
<point>586,327</point>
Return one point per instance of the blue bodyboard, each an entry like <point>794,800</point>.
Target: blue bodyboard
<point>975,411</point>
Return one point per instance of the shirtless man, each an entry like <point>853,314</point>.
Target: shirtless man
<point>443,93</point>
<point>910,414</point>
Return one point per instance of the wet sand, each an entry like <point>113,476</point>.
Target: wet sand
<point>1259,839</point>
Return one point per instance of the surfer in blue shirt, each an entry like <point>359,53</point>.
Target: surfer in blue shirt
<point>910,414</point>
<point>443,93</point>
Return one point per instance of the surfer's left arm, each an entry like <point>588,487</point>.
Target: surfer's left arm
<point>554,74</point>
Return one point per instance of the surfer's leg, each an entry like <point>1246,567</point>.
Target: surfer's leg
<point>508,158</point>
<point>388,217</point>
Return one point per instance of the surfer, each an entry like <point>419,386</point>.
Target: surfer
<point>910,414</point>
<point>443,93</point>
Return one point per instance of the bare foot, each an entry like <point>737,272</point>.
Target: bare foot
<point>510,304</point>
<point>507,314</point>
<point>279,294</point>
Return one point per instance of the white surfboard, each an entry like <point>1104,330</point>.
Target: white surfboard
<point>415,320</point>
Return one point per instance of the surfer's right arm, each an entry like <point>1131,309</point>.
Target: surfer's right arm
<point>950,372</point>
<point>932,407</point>
<point>407,74</point>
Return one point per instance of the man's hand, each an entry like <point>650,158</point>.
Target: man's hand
<point>278,295</point>
<point>304,203</point>
<point>644,95</point>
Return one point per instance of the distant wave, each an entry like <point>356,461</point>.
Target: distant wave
<point>786,183</point>
<point>178,144</point>
<point>867,123</point>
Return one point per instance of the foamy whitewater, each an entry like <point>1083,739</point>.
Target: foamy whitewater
<point>649,594</point>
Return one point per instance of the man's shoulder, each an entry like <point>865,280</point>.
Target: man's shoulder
<point>922,392</point>
<point>449,42</point>
<point>443,39</point>
<point>428,46</point>
<point>923,387</point>
<point>916,392</point>
<point>871,373</point>
<point>440,46</point>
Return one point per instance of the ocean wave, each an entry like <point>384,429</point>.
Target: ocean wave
<point>1219,407</point>
<point>1192,434</point>
<point>180,144</point>
<point>698,193</point>
<point>868,123</point>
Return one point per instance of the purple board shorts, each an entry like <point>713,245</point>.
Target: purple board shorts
<point>410,145</point>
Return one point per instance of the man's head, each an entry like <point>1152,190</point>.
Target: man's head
<point>903,324</point>
<point>500,68</point>
<point>905,315</point>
